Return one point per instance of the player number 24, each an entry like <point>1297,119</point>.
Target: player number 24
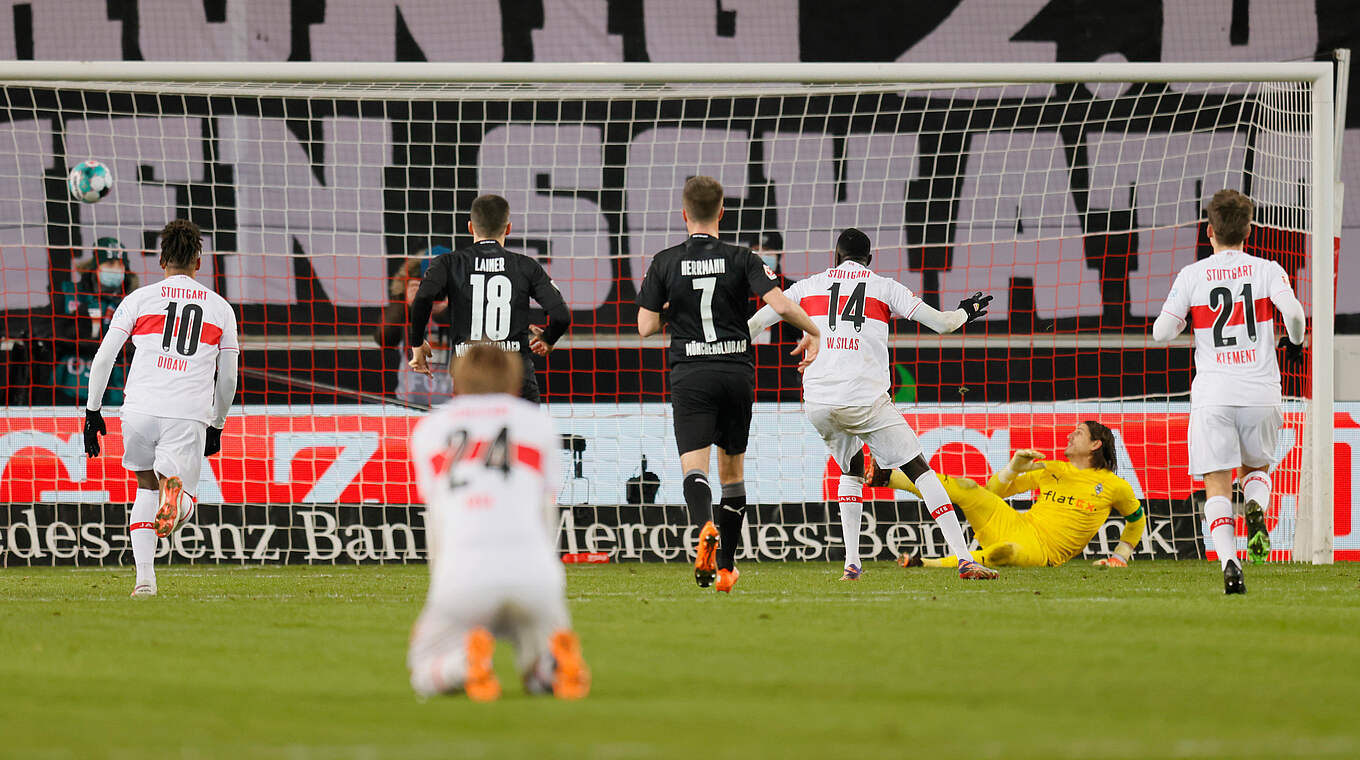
<point>495,456</point>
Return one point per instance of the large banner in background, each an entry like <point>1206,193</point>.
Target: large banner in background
<point>341,474</point>
<point>273,183</point>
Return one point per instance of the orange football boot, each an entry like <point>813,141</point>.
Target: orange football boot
<point>706,558</point>
<point>481,684</point>
<point>976,571</point>
<point>572,677</point>
<point>167,515</point>
<point>727,579</point>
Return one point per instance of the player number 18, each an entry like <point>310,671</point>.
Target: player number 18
<point>490,307</point>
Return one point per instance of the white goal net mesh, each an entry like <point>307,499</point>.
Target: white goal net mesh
<point>1073,204</point>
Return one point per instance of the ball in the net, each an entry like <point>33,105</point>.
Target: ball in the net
<point>89,181</point>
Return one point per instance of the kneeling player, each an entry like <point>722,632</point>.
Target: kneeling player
<point>1076,498</point>
<point>486,467</point>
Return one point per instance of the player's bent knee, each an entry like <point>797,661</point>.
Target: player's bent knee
<point>856,465</point>
<point>915,468</point>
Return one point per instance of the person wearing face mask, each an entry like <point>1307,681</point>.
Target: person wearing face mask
<point>84,305</point>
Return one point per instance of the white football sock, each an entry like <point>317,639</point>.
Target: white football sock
<point>1218,512</point>
<point>1256,487</point>
<point>439,675</point>
<point>937,501</point>
<point>850,493</point>
<point>142,533</point>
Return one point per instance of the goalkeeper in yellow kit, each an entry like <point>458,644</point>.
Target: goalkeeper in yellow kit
<point>1075,499</point>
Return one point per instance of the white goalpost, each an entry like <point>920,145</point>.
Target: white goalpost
<point>1071,192</point>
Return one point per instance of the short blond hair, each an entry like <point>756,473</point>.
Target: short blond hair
<point>703,199</point>
<point>1230,215</point>
<point>487,368</point>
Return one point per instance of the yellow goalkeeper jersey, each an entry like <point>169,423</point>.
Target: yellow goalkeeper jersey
<point>1073,504</point>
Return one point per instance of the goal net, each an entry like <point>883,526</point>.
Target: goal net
<point>1071,193</point>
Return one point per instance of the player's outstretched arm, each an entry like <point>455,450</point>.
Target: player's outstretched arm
<point>762,320</point>
<point>791,312</point>
<point>970,308</point>
<point>1012,479</point>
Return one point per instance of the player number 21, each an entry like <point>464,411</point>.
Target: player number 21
<point>1221,299</point>
<point>490,307</point>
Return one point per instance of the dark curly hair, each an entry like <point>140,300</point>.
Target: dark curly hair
<point>181,244</point>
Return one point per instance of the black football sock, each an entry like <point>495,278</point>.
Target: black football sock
<point>699,497</point>
<point>730,516</point>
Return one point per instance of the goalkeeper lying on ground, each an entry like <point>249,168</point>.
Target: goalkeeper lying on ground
<point>1076,497</point>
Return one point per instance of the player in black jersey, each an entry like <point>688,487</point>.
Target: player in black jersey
<point>702,288</point>
<point>489,288</point>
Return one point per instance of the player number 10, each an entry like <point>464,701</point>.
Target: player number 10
<point>189,327</point>
<point>490,307</point>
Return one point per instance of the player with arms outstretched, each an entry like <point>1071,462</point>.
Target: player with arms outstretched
<point>703,287</point>
<point>488,288</point>
<point>1075,499</point>
<point>1235,415</point>
<point>180,386</point>
<point>486,466</point>
<point>846,390</point>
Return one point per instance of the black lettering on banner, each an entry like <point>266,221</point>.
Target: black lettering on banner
<point>185,331</point>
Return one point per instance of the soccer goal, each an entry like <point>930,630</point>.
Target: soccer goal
<point>1073,193</point>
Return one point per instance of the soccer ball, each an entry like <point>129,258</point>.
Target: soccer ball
<point>89,181</point>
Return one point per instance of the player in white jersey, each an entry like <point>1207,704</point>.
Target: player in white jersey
<point>179,389</point>
<point>1235,397</point>
<point>846,390</point>
<point>487,467</point>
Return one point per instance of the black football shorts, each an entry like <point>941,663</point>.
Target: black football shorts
<point>711,405</point>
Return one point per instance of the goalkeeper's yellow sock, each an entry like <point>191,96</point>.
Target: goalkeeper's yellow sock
<point>950,561</point>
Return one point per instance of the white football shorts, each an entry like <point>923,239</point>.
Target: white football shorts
<point>1229,437</point>
<point>846,429</point>
<point>526,615</point>
<point>170,446</point>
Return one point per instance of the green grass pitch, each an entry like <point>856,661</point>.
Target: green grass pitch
<point>1071,662</point>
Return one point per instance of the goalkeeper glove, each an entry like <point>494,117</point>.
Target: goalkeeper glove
<point>1120,558</point>
<point>1293,352</point>
<point>213,444</point>
<point>975,306</point>
<point>1025,460</point>
<point>94,427</point>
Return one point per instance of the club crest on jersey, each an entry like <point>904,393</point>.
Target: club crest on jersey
<point>1099,487</point>
<point>769,272</point>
